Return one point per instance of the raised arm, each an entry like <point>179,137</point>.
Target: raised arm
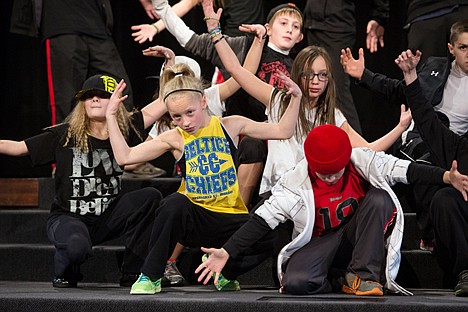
<point>391,89</point>
<point>385,142</point>
<point>443,143</point>
<point>146,32</point>
<point>230,86</point>
<point>351,66</point>
<point>407,61</point>
<point>125,155</point>
<point>248,81</point>
<point>154,110</point>
<point>13,148</point>
<point>282,130</point>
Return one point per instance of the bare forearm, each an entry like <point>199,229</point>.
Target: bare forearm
<point>384,143</point>
<point>119,145</point>
<point>13,148</point>
<point>180,9</point>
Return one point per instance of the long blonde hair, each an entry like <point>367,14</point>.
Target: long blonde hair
<point>79,126</point>
<point>326,103</point>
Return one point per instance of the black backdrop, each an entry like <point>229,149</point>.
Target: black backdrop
<point>23,84</point>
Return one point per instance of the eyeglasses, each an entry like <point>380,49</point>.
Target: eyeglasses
<point>310,76</point>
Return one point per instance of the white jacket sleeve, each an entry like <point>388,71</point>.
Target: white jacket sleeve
<point>174,24</point>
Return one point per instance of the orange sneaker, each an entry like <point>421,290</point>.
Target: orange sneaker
<point>353,284</point>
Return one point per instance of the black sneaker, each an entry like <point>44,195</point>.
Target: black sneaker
<point>128,279</point>
<point>461,290</point>
<point>172,277</point>
<point>60,282</point>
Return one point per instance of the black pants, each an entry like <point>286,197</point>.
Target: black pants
<point>358,247</point>
<point>74,58</point>
<point>430,36</point>
<point>132,215</point>
<point>449,213</point>
<point>180,220</point>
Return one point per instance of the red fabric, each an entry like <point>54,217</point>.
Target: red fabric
<point>50,84</point>
<point>336,203</point>
<point>327,149</point>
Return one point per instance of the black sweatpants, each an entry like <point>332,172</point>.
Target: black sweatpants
<point>358,247</point>
<point>449,213</point>
<point>180,220</point>
<point>131,215</point>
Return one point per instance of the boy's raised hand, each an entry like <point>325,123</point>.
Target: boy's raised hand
<point>458,180</point>
<point>258,30</point>
<point>214,264</point>
<point>351,66</point>
<point>407,61</point>
<point>161,51</point>
<point>115,99</point>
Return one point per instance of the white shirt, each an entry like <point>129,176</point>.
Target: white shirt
<point>454,102</point>
<point>283,155</point>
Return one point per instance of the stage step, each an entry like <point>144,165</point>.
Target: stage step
<point>34,262</point>
<point>27,255</point>
<point>18,226</point>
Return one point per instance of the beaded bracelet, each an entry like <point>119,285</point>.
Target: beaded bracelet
<point>157,29</point>
<point>215,31</point>
<point>218,40</point>
<point>210,18</point>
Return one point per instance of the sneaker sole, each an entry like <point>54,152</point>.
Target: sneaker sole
<point>142,292</point>
<point>373,292</point>
<point>461,293</point>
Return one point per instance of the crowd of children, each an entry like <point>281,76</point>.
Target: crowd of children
<point>283,137</point>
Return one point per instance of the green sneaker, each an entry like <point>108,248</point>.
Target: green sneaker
<point>223,283</point>
<point>144,286</point>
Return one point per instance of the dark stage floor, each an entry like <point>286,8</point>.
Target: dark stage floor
<point>35,296</point>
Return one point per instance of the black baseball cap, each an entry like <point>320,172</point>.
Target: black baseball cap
<point>101,83</point>
<point>282,6</point>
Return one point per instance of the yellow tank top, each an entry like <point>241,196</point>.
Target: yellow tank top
<point>210,174</point>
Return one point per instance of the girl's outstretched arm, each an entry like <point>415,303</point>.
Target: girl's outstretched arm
<point>384,143</point>
<point>282,130</point>
<point>13,148</point>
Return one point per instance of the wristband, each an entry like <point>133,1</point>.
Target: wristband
<point>156,27</point>
<point>218,40</point>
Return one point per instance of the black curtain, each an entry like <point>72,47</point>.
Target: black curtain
<point>23,82</point>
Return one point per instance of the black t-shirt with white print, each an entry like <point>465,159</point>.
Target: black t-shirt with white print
<point>86,184</point>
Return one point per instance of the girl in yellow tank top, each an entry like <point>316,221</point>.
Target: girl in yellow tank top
<point>208,209</point>
<point>210,178</point>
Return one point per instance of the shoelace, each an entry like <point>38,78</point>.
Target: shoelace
<point>356,282</point>
<point>143,278</point>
